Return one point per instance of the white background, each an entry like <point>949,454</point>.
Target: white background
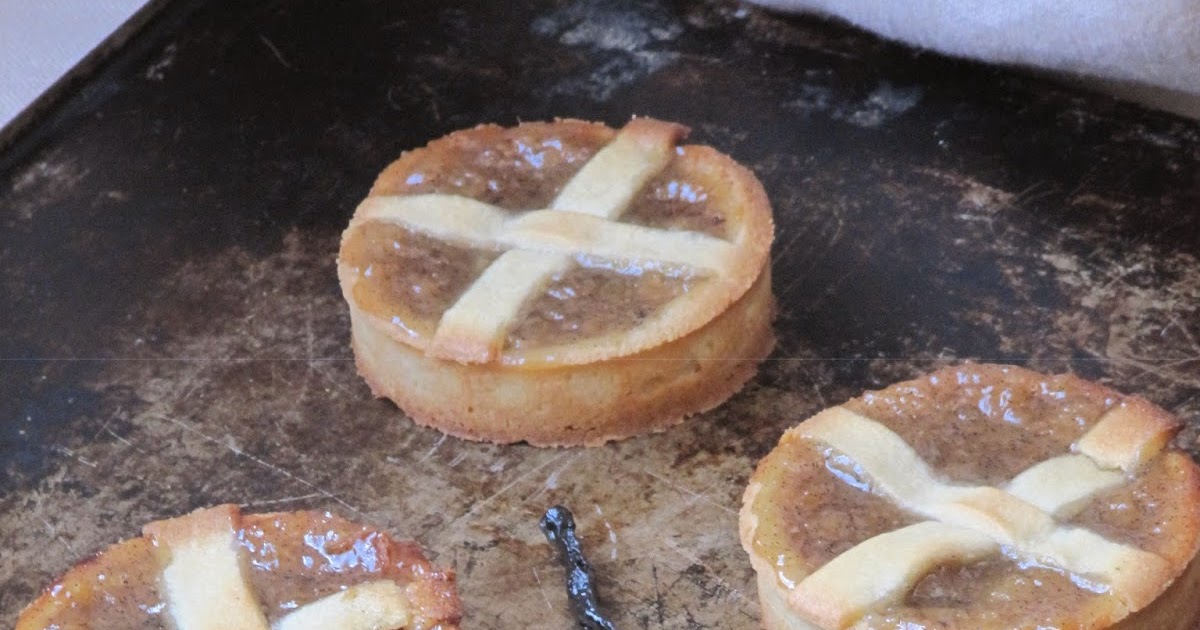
<point>41,39</point>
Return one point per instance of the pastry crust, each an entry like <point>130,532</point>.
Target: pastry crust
<point>464,379</point>
<point>1134,421</point>
<point>218,568</point>
<point>1121,444</point>
<point>201,566</point>
<point>575,405</point>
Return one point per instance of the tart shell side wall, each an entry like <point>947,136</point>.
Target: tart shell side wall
<point>1176,609</point>
<point>575,405</point>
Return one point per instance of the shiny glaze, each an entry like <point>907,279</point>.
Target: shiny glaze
<point>294,558</point>
<point>593,300</point>
<point>410,279</point>
<point>972,431</point>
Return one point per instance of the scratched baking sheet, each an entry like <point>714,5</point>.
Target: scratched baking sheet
<point>174,337</point>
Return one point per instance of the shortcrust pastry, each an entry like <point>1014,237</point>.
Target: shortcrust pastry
<point>560,283</point>
<point>979,497</point>
<point>219,569</point>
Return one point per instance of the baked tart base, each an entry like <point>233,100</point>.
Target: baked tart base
<point>220,569</point>
<point>575,404</point>
<point>559,283</point>
<point>978,497</point>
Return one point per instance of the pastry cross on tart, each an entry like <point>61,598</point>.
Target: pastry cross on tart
<point>560,283</point>
<point>217,569</point>
<point>978,498</point>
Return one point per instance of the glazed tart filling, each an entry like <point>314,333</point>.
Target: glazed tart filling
<point>411,279</point>
<point>522,168</point>
<point>677,199</point>
<point>407,276</point>
<point>1030,503</point>
<point>589,301</point>
<point>285,571</point>
<point>560,282</point>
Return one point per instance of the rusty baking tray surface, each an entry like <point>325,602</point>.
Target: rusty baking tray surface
<point>173,334</point>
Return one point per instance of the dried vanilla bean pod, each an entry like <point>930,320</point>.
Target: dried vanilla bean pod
<point>559,527</point>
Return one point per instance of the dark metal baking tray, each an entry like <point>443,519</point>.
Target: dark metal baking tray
<point>173,335</point>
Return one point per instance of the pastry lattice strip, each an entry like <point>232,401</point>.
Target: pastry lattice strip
<point>539,244</point>
<point>968,523</point>
<point>205,586</point>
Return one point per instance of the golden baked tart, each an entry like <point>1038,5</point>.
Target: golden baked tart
<point>979,497</point>
<point>560,283</point>
<point>219,569</point>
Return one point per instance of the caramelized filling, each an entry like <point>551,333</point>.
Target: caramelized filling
<point>115,590</point>
<point>589,301</point>
<point>993,594</point>
<point>411,280</point>
<point>522,168</point>
<point>821,505</point>
<point>1136,513</point>
<point>811,512</point>
<point>1005,430</point>
<point>408,278</point>
<point>293,559</point>
<point>296,559</point>
<point>677,200</point>
<point>817,504</point>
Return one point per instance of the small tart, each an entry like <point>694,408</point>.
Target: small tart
<point>979,497</point>
<point>219,569</point>
<point>559,283</point>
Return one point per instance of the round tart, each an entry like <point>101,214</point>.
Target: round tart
<point>979,497</point>
<point>559,283</point>
<point>218,569</point>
